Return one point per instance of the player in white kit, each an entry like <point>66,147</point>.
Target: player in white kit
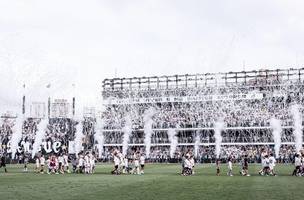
<point>116,160</point>
<point>61,164</point>
<point>298,164</point>
<point>136,164</point>
<point>266,166</point>
<point>187,166</point>
<point>87,163</point>
<point>192,161</point>
<point>57,165</point>
<point>272,164</point>
<point>229,173</point>
<point>66,163</point>
<point>92,163</point>
<point>42,164</point>
<point>263,154</point>
<point>37,167</point>
<point>121,163</point>
<point>125,168</point>
<point>142,163</point>
<point>80,166</point>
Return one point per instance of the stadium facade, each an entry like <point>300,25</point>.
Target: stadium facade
<point>191,104</point>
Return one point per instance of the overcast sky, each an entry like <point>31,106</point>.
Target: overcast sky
<point>65,42</point>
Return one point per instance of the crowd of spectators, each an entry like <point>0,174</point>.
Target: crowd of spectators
<point>237,114</point>
<point>276,102</point>
<point>57,130</point>
<point>6,130</point>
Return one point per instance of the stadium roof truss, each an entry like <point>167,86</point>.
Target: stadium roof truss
<point>200,80</point>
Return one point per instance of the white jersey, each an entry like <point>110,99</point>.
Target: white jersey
<point>42,161</point>
<point>188,164</point>
<point>116,160</point>
<point>48,162</point>
<point>297,161</point>
<point>142,160</point>
<point>37,162</point>
<point>120,156</point>
<point>263,154</point>
<point>60,159</point>
<point>126,162</point>
<point>87,160</point>
<point>92,160</point>
<point>80,162</point>
<point>272,162</point>
<point>56,162</point>
<point>230,165</point>
<point>136,163</point>
<point>265,162</point>
<point>192,162</point>
<point>66,160</point>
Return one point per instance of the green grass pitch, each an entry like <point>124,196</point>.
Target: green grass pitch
<point>160,181</point>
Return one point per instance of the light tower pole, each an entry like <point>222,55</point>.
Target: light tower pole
<point>73,100</point>
<point>49,100</point>
<point>23,100</point>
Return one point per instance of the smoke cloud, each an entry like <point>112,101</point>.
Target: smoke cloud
<point>40,135</point>
<point>298,128</point>
<point>173,141</point>
<point>17,135</point>
<point>127,133</point>
<point>78,138</point>
<point>99,137</point>
<point>276,131</point>
<point>218,128</point>
<point>148,122</point>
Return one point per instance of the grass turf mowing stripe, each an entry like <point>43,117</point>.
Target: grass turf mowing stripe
<point>161,181</point>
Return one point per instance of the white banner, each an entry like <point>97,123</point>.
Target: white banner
<point>89,112</point>
<point>60,108</point>
<point>239,96</point>
<point>37,110</point>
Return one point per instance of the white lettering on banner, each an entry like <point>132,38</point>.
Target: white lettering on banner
<point>26,146</point>
<point>56,146</point>
<point>60,108</point>
<point>48,147</point>
<point>230,97</point>
<point>19,149</point>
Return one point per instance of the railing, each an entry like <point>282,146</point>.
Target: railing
<point>254,77</point>
<point>205,144</point>
<point>200,129</point>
